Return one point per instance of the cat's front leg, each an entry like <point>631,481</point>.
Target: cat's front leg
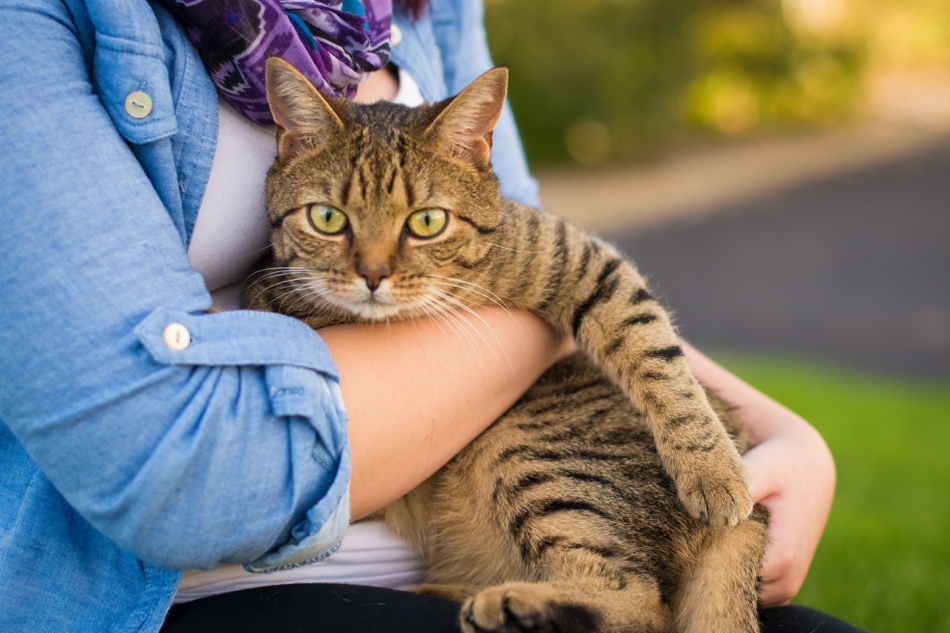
<point>637,345</point>
<point>635,342</point>
<point>601,299</point>
<point>710,476</point>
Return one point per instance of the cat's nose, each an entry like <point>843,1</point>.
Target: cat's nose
<point>373,275</point>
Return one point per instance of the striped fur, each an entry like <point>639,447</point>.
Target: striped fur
<point>611,496</point>
<point>566,492</point>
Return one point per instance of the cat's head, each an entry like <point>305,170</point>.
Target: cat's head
<point>391,208</point>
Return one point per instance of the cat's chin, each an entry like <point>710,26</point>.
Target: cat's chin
<point>375,310</point>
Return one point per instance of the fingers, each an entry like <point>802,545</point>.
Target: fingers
<point>794,479</point>
<point>788,556</point>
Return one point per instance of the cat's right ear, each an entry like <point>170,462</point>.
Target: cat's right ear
<point>304,118</point>
<point>464,127</point>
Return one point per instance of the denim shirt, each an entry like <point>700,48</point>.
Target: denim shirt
<point>140,434</point>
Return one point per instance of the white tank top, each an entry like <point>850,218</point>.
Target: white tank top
<point>230,236</point>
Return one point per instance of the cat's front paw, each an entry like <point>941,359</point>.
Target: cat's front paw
<point>522,607</point>
<point>715,487</point>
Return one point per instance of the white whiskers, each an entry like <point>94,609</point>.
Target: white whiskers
<point>452,304</point>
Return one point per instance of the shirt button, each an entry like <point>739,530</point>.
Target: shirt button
<point>138,105</point>
<point>176,336</point>
<point>395,35</point>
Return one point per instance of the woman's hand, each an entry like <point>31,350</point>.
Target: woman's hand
<point>793,475</point>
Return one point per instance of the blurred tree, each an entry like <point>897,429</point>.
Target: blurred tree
<point>604,80</point>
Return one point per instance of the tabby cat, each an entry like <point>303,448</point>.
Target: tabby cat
<point>611,497</point>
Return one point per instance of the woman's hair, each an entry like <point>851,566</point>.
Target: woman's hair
<point>413,6</point>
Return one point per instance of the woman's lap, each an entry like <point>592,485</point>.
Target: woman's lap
<point>317,607</point>
<point>361,609</point>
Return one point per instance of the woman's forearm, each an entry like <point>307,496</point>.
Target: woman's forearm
<point>417,392</point>
<point>757,412</point>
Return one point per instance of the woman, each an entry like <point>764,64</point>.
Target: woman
<point>141,434</point>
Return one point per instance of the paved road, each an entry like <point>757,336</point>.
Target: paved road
<point>854,269</point>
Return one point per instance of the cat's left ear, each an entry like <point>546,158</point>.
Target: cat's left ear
<point>304,118</point>
<point>464,128</point>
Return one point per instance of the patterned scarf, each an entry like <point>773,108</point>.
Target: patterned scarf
<point>334,43</point>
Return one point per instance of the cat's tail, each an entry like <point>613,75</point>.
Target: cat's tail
<point>719,594</point>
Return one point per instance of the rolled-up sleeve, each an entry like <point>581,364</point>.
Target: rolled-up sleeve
<point>191,439</point>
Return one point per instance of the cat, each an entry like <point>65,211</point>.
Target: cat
<point>611,497</point>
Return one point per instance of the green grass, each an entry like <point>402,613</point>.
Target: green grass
<point>884,561</point>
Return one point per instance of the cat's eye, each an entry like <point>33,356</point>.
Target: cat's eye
<point>427,223</point>
<point>326,219</point>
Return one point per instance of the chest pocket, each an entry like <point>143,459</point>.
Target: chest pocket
<point>132,81</point>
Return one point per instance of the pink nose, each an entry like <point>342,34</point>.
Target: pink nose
<point>373,274</point>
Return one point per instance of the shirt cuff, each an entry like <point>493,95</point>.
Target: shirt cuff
<point>314,538</point>
<point>175,336</point>
<point>302,384</point>
<point>292,393</point>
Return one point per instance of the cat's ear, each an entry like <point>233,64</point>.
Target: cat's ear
<point>304,118</point>
<point>464,128</point>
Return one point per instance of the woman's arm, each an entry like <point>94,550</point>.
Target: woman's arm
<point>793,475</point>
<point>417,392</point>
<point>225,449</point>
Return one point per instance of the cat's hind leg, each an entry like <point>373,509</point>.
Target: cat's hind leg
<point>455,593</point>
<point>718,592</point>
<point>561,606</point>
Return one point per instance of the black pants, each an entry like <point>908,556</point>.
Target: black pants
<point>329,608</point>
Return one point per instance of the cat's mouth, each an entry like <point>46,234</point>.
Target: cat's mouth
<point>374,305</point>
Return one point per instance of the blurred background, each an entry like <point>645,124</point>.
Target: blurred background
<point>780,169</point>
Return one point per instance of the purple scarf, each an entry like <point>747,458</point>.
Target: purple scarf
<point>334,43</point>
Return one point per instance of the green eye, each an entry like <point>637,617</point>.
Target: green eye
<point>326,219</point>
<point>427,223</point>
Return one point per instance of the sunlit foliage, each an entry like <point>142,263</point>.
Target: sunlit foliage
<point>603,80</point>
